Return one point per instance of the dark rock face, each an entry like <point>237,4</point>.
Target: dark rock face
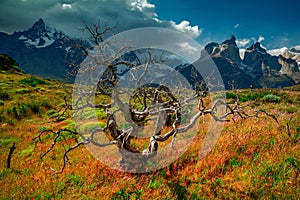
<point>227,59</point>
<point>258,68</point>
<point>191,74</point>
<point>289,68</point>
<point>259,62</point>
<point>210,47</point>
<point>231,73</point>
<point>227,49</point>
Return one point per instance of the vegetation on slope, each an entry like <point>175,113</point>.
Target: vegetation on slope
<point>9,65</point>
<point>255,158</point>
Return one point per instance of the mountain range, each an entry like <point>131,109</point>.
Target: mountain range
<point>41,50</point>
<point>257,67</point>
<point>47,52</point>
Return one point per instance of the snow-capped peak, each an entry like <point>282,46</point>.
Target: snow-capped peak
<point>258,48</point>
<point>40,35</point>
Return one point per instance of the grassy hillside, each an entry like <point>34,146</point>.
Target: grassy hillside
<point>254,158</point>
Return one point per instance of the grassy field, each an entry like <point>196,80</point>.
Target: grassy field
<point>253,158</point>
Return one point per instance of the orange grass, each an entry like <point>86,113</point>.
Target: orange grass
<point>253,158</point>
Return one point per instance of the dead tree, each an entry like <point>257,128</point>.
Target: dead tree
<point>137,102</point>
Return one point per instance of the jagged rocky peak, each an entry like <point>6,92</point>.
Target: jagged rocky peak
<point>257,47</point>
<point>230,41</point>
<point>227,49</point>
<point>293,54</point>
<point>39,35</point>
<point>38,29</point>
<point>39,25</point>
<point>289,66</point>
<point>230,50</point>
<point>210,47</point>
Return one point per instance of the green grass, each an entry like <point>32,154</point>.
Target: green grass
<point>18,111</point>
<point>271,98</point>
<point>33,81</point>
<point>4,95</point>
<point>5,142</point>
<point>253,158</point>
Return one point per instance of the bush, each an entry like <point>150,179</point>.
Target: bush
<point>4,96</point>
<point>271,98</point>
<point>34,107</point>
<point>1,103</point>
<point>46,104</point>
<point>231,95</point>
<point>18,111</point>
<point>2,118</point>
<point>10,122</point>
<point>22,91</point>
<point>256,95</point>
<point>289,109</point>
<point>51,112</point>
<point>33,81</point>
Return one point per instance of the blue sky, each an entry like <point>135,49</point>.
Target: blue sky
<point>274,23</point>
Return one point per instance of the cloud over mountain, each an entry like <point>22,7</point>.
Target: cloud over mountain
<point>242,42</point>
<point>68,15</point>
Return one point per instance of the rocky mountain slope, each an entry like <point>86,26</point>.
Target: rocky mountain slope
<point>258,68</point>
<point>40,50</point>
<point>44,51</point>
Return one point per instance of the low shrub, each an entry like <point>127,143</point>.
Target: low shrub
<point>2,117</point>
<point>271,98</point>
<point>51,112</point>
<point>230,95</point>
<point>23,91</point>
<point>34,107</point>
<point>255,95</point>
<point>45,103</point>
<point>7,141</point>
<point>18,111</point>
<point>10,122</point>
<point>289,109</point>
<point>33,81</point>
<point>4,96</point>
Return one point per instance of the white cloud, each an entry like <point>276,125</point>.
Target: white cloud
<point>140,5</point>
<point>184,27</point>
<point>66,6</point>
<point>260,38</point>
<point>187,46</point>
<point>67,15</point>
<point>236,26</point>
<point>277,52</point>
<point>296,47</point>
<point>242,42</point>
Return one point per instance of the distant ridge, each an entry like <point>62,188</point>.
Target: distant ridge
<point>44,51</point>
<point>7,64</point>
